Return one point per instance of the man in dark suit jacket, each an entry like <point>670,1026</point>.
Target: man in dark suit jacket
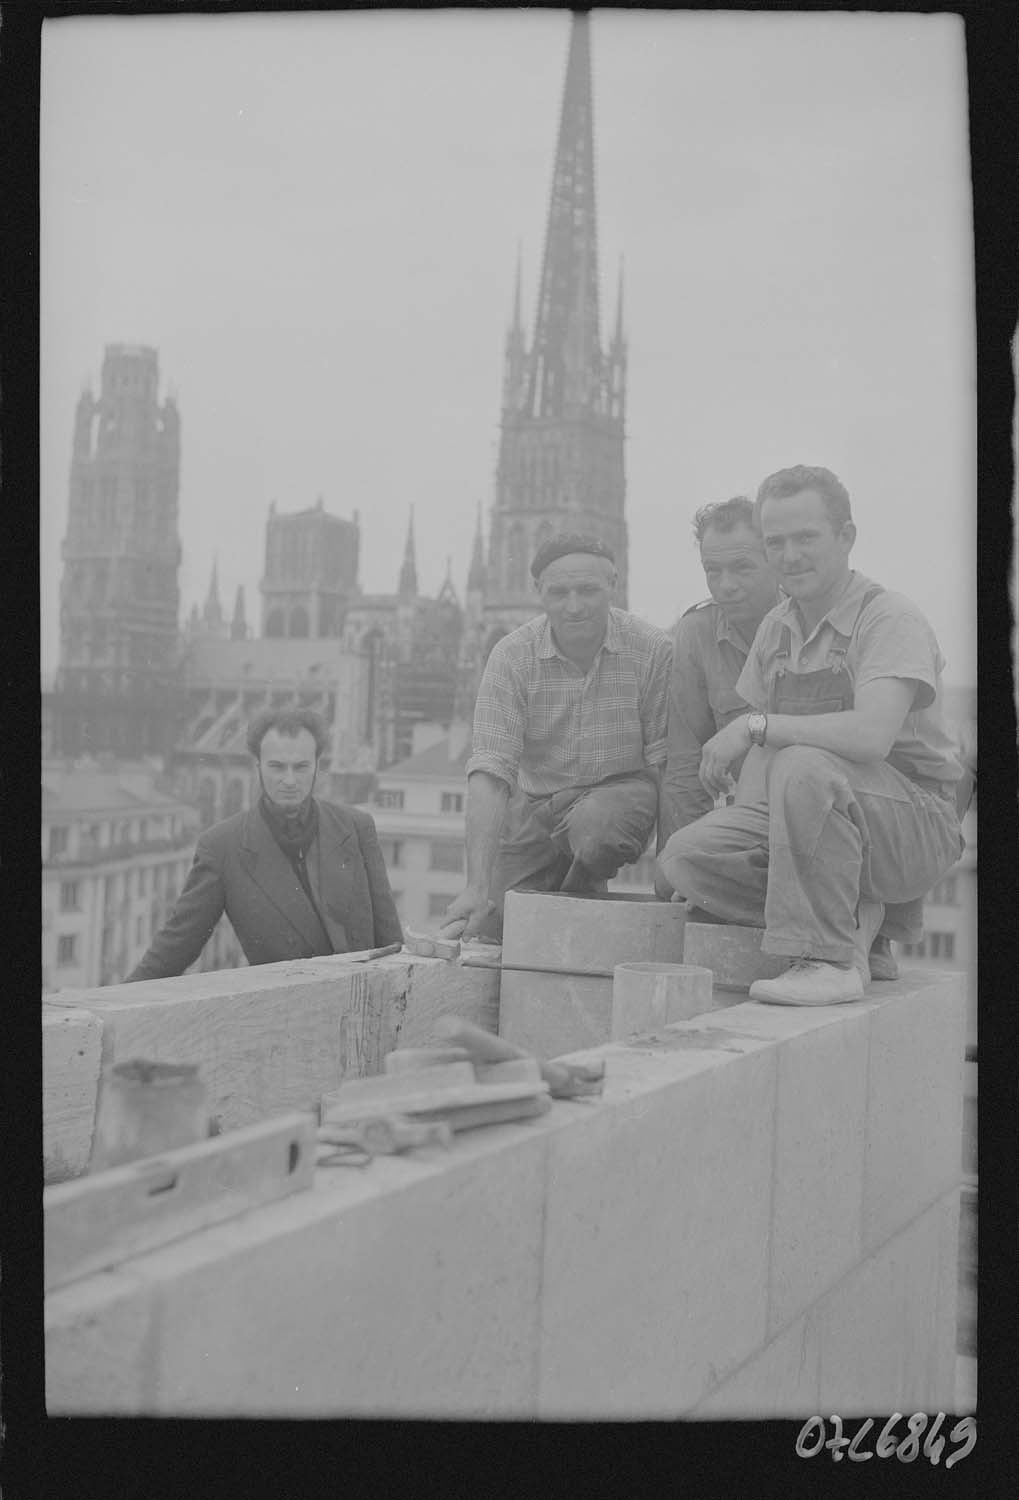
<point>297,877</point>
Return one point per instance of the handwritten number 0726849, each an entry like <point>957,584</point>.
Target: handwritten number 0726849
<point>813,1437</point>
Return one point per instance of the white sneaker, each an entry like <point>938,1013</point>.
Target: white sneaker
<point>810,981</point>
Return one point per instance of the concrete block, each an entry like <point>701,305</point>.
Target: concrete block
<point>819,1135</point>
<point>71,1062</point>
<point>779,1023</point>
<point>654,1284</point>
<point>267,1039</point>
<point>261,1050</point>
<point>589,935</point>
<point>915,1100</point>
<point>649,995</point>
<point>412,1293</point>
<point>430,987</point>
<point>887,1331</point>
<point>549,1014</point>
<point>100,1339</point>
<point>781,1380</point>
<point>733,954</point>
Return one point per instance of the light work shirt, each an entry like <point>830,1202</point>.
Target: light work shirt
<point>543,724</point>
<point>708,655</point>
<point>891,639</point>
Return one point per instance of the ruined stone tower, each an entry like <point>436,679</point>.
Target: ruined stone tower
<point>560,462</point>
<point>116,684</point>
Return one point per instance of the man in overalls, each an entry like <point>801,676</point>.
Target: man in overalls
<point>846,798</point>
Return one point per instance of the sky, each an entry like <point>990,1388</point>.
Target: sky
<point>314,218</point>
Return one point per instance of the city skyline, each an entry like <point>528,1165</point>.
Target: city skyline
<point>802,294</point>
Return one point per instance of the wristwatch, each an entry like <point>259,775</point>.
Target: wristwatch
<point>757,724</point>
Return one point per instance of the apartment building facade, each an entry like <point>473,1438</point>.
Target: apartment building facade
<point>116,849</point>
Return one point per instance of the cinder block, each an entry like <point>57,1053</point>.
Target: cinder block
<point>589,935</point>
<point>733,954</point>
<point>549,1014</point>
<point>656,1236</point>
<point>649,995</point>
<point>782,1380</point>
<point>822,1102</point>
<point>410,1293</point>
<point>886,1335</point>
<point>71,1062</point>
<point>915,1099</point>
<point>100,1347</point>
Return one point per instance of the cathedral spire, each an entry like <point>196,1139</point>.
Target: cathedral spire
<point>238,625</point>
<point>447,594</point>
<point>561,463</point>
<point>566,363</point>
<point>476,576</point>
<point>408,585</point>
<point>213,611</point>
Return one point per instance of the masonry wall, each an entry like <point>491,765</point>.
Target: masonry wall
<point>759,1217</point>
<point>267,1039</point>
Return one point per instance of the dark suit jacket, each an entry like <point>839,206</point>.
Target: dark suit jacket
<point>240,869</point>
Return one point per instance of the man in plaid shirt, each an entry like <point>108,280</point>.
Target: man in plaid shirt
<point>569,741</point>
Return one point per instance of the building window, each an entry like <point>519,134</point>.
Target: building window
<point>139,930</point>
<point>447,855</point>
<point>915,950</point>
<point>66,946</point>
<point>58,842</point>
<point>452,802</point>
<point>942,944</point>
<point>392,853</point>
<point>389,799</point>
<point>70,895</point>
<point>437,903</point>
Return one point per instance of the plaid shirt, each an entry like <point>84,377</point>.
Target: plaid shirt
<point>543,724</point>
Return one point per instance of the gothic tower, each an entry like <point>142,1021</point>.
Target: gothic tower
<point>310,578</point>
<point>560,462</point>
<point>116,685</point>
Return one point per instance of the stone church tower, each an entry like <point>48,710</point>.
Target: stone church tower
<point>310,578</point>
<point>116,680</point>
<point>560,462</point>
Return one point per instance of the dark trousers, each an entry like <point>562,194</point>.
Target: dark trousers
<point>545,839</point>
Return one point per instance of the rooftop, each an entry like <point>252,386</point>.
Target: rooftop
<point>436,761</point>
<point>210,659</point>
<point>85,787</point>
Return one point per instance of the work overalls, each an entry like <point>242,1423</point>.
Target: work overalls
<point>829,690</point>
<point>810,832</point>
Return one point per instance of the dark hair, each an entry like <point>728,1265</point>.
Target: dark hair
<point>786,482</point>
<point>289,721</point>
<point>565,544</point>
<point>725,515</point>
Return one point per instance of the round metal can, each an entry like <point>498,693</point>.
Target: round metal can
<point>146,1108</point>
